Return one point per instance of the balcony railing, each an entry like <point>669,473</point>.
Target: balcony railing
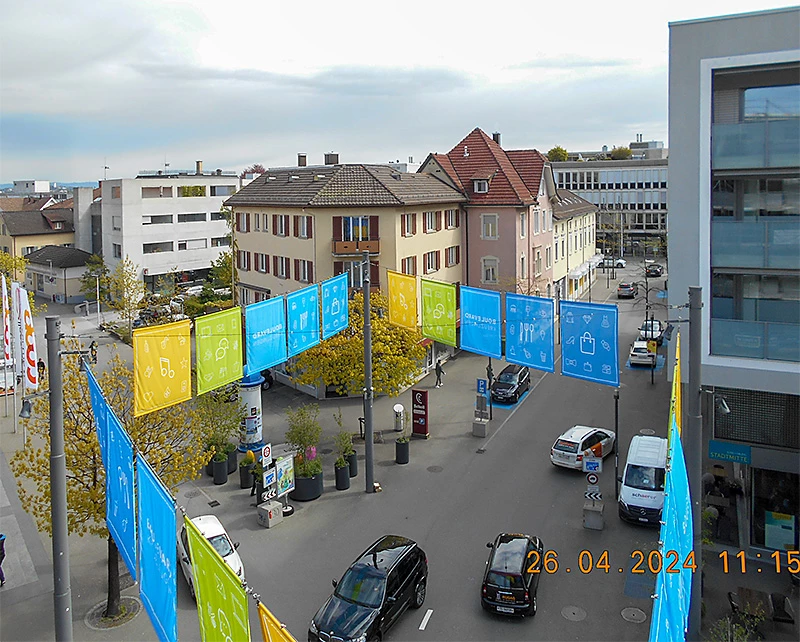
<point>766,242</point>
<point>757,144</point>
<point>355,247</point>
<point>755,340</point>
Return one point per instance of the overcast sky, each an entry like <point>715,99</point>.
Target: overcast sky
<point>133,84</point>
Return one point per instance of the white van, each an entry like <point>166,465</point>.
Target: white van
<point>641,497</point>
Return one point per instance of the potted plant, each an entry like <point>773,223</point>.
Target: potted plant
<point>348,452</point>
<point>343,446</point>
<point>220,466</point>
<point>402,445</point>
<point>233,459</point>
<point>211,449</point>
<point>303,438</point>
<point>245,470</point>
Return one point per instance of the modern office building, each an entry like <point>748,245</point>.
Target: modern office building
<point>734,230</point>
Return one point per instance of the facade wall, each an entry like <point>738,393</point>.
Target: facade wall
<point>61,285</point>
<point>19,246</point>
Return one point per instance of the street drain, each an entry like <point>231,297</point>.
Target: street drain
<point>435,469</point>
<point>213,503</point>
<point>632,614</point>
<point>573,613</point>
<point>647,431</point>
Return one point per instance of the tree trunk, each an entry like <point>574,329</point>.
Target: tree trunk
<point>113,604</point>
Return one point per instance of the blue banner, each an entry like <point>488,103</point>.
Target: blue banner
<point>335,308</point>
<point>303,315</point>
<point>589,342</point>
<point>120,498</point>
<point>529,331</point>
<point>100,409</point>
<point>157,552</point>
<point>266,334</point>
<point>480,322</point>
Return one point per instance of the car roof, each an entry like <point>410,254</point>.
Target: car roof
<point>385,552</point>
<point>209,525</point>
<point>510,551</point>
<point>639,344</point>
<point>513,367</point>
<point>625,284</point>
<point>576,433</point>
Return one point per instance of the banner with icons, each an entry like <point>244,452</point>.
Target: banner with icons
<point>120,495</point>
<point>335,306</point>
<point>218,349</point>
<point>265,345</point>
<point>162,366</point>
<point>302,311</point>
<point>589,342</point>
<point>529,331</point>
<point>402,299</point>
<point>439,311</point>
<point>480,322</point>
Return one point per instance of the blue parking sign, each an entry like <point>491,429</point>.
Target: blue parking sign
<point>590,342</point>
<point>483,385</point>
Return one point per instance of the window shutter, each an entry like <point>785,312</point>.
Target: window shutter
<point>414,263</point>
<point>374,273</point>
<point>414,223</point>
<point>310,226</point>
<point>266,263</point>
<point>438,259</point>
<point>297,269</point>
<point>296,226</point>
<point>458,218</point>
<point>374,234</point>
<point>458,254</point>
<point>275,265</point>
<point>247,222</point>
<point>238,261</point>
<point>337,230</point>
<point>338,266</point>
<point>275,224</point>
<point>238,221</point>
<point>438,220</point>
<point>311,271</point>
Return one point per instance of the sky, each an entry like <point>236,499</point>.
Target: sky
<point>135,84</point>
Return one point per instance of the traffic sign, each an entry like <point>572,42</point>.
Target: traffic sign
<point>592,465</point>
<point>483,386</point>
<point>592,489</point>
<point>593,496</point>
<point>266,455</point>
<point>592,478</point>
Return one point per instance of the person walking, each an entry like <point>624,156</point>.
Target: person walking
<point>2,557</point>
<point>439,372</point>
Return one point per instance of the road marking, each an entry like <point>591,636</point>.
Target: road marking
<point>424,622</point>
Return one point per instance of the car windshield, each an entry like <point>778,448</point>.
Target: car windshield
<point>644,477</point>
<point>566,446</point>
<point>507,377</point>
<point>221,544</point>
<point>363,585</point>
<point>640,350</point>
<point>504,580</point>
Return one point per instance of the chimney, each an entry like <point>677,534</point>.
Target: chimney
<point>496,137</point>
<point>331,159</point>
<point>198,167</point>
<point>301,160</point>
<point>218,172</point>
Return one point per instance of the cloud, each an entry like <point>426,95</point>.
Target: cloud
<point>569,62</point>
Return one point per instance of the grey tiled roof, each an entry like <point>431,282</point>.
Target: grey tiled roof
<point>38,222</point>
<point>344,186</point>
<point>567,204</point>
<point>61,257</point>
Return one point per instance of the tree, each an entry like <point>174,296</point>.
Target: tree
<point>10,265</point>
<point>557,154</point>
<point>223,272</point>
<point>621,153</point>
<point>95,267</point>
<point>397,354</point>
<point>172,440</point>
<point>255,168</point>
<point>127,290</point>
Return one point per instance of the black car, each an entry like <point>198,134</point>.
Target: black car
<point>381,584</point>
<point>512,573</point>
<point>269,380</point>
<point>511,383</point>
<point>627,290</point>
<point>653,270</point>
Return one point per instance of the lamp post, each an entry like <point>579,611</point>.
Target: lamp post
<point>490,376</point>
<point>368,431</point>
<point>97,294</point>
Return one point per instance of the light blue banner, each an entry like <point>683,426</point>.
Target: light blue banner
<point>157,552</point>
<point>480,322</point>
<point>266,334</point>
<point>529,331</point>
<point>589,342</point>
<point>100,409</point>
<point>335,306</point>
<point>120,498</point>
<point>302,309</point>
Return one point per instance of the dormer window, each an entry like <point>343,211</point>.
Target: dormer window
<point>58,225</point>
<point>480,186</point>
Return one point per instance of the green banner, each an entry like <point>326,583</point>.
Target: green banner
<point>439,311</point>
<point>221,600</point>
<point>219,349</point>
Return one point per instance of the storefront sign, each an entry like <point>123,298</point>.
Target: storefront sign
<point>727,451</point>
<point>419,412</point>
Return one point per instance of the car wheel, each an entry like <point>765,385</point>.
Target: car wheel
<point>266,385</point>
<point>419,594</point>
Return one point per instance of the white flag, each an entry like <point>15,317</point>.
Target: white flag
<point>6,325</point>
<point>16,330</point>
<point>31,374</point>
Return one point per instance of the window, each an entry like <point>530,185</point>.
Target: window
<point>303,270</point>
<point>116,222</point>
<point>489,266</point>
<point>489,226</point>
<point>780,101</point>
<point>544,221</point>
<point>523,267</point>
<point>193,244</point>
<point>115,191</point>
<point>156,192</point>
<point>302,227</point>
<point>408,224</point>
<point>452,256</point>
<point>193,218</point>
<point>189,191</point>
<point>57,225</point>
<point>408,265</point>
<point>430,222</point>
<point>536,221</point>
<point>281,266</point>
<point>538,262</point>
<point>221,241</point>
<point>243,260</point>
<point>219,216</point>
<point>556,246</point>
<point>262,263</point>
<point>480,186</point>
<point>548,256</point>
<point>117,250</point>
<point>355,228</point>
<point>156,219</point>
<point>431,261</point>
<point>154,248</point>
<point>523,224</point>
<point>222,190</point>
<point>257,221</point>
<point>280,225</point>
<point>453,219</point>
<point>28,249</point>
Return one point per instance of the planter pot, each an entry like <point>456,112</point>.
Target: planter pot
<point>342,477</point>
<point>246,476</point>
<point>233,462</point>
<point>401,451</point>
<point>220,469</point>
<point>307,488</point>
<point>210,466</point>
<point>352,462</point>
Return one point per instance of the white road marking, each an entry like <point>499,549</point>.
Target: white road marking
<point>424,622</point>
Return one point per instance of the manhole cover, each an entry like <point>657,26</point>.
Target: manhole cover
<point>573,613</point>
<point>192,493</point>
<point>129,607</point>
<point>647,431</point>
<point>435,469</point>
<point>632,614</point>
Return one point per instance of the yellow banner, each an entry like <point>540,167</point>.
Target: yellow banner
<point>162,366</point>
<point>403,299</point>
<point>675,400</point>
<point>271,628</point>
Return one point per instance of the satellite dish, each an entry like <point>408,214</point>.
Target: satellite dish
<point>398,407</point>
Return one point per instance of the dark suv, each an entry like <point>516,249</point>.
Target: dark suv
<point>512,574</point>
<point>511,383</point>
<point>384,581</point>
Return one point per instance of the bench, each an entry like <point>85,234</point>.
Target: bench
<point>781,607</point>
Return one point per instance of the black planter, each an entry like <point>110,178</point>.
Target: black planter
<point>209,466</point>
<point>220,469</point>
<point>246,476</point>
<point>307,488</point>
<point>342,477</point>
<point>401,451</point>
<point>233,462</point>
<point>352,462</point>
<point>259,492</point>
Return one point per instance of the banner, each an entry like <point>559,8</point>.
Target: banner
<point>265,345</point>
<point>221,600</point>
<point>402,299</point>
<point>6,325</point>
<point>439,311</point>
<point>157,552</point>
<point>100,410</point>
<point>16,330</point>
<point>335,308</point>
<point>589,342</point>
<point>302,309</point>
<point>162,366</point>
<point>675,409</point>
<point>480,322</point>
<point>120,500</point>
<point>31,372</point>
<point>218,349</point>
<point>530,340</point>
<point>272,630</point>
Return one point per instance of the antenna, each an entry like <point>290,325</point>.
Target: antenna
<point>105,168</point>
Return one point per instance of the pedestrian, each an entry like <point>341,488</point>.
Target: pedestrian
<point>2,557</point>
<point>439,372</point>
<point>41,368</point>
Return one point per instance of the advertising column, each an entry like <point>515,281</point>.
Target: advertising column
<point>250,388</point>
<point>419,413</point>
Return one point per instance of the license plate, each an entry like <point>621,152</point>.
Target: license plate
<point>504,609</point>
<point>642,519</point>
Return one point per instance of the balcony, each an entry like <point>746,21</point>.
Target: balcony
<point>766,242</point>
<point>755,340</point>
<point>758,144</point>
<point>355,248</point>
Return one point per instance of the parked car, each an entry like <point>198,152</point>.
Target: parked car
<point>194,290</point>
<point>582,441</point>
<point>511,578</point>
<point>609,262</point>
<point>511,383</point>
<point>627,290</point>
<point>386,579</point>
<point>652,329</point>
<point>653,270</point>
<point>212,529</point>
<point>640,355</point>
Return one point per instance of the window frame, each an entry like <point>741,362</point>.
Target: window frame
<point>485,264</point>
<point>492,221</point>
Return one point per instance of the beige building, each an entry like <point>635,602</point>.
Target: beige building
<point>54,273</point>
<point>27,224</point>
<point>574,245</point>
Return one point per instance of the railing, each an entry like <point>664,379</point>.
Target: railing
<point>766,242</point>
<point>755,340</point>
<point>765,143</point>
<point>355,247</point>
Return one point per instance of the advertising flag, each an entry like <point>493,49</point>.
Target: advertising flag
<point>218,349</point>
<point>402,299</point>
<point>530,339</point>
<point>303,319</point>
<point>439,311</point>
<point>221,600</point>
<point>6,325</point>
<point>675,409</point>
<point>480,322</point>
<point>272,629</point>
<point>31,372</point>
<point>120,499</point>
<point>100,410</point>
<point>265,323</point>
<point>589,342</point>
<point>162,366</point>
<point>16,329</point>
<point>335,307</point>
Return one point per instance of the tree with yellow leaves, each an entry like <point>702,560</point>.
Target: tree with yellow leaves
<point>397,354</point>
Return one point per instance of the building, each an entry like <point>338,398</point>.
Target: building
<point>24,231</point>
<point>54,273</point>
<point>734,123</point>
<point>167,223</point>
